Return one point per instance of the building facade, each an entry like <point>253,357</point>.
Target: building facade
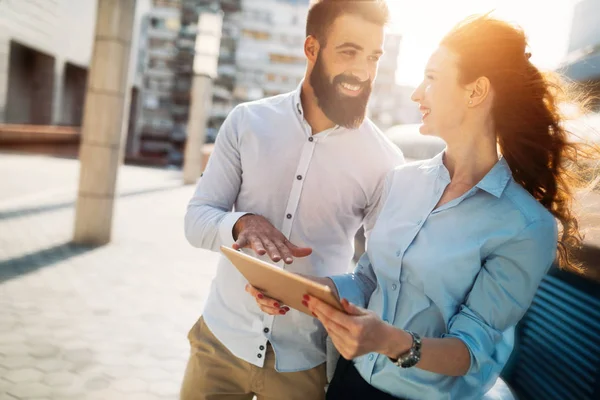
<point>45,50</point>
<point>582,63</point>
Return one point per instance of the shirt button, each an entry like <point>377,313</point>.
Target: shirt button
<point>262,347</point>
<point>310,139</point>
<point>394,286</point>
<point>370,357</point>
<point>259,355</point>
<point>266,330</point>
<point>299,177</point>
<point>289,216</point>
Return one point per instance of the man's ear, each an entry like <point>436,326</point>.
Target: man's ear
<point>311,48</point>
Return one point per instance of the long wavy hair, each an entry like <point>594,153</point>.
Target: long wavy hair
<point>544,156</point>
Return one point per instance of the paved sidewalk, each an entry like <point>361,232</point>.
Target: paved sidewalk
<point>95,323</point>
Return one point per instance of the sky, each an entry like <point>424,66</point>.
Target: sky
<point>424,22</point>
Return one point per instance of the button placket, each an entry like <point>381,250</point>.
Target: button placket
<point>298,185</point>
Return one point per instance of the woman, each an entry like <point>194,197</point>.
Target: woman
<point>463,239</point>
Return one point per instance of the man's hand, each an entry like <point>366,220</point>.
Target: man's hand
<point>255,232</point>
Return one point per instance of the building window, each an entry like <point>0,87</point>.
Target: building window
<point>157,22</point>
<point>256,35</point>
<point>285,59</point>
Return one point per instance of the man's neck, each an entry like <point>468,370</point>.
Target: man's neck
<point>313,114</point>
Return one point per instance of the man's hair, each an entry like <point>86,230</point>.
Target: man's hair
<point>323,13</point>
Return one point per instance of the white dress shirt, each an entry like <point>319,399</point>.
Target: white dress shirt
<point>316,189</point>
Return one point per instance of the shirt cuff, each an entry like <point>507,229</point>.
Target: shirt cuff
<point>348,288</point>
<point>226,227</point>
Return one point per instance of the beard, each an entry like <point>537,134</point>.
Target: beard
<point>346,111</point>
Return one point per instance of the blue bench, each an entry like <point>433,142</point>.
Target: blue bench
<point>557,343</point>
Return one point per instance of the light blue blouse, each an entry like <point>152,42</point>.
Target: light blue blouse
<point>468,269</point>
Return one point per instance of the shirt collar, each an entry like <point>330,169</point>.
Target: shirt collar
<point>494,182</point>
<point>434,162</point>
<point>298,101</point>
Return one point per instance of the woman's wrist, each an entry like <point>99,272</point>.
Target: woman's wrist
<point>397,343</point>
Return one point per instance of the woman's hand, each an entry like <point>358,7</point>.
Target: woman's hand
<point>356,333</point>
<point>266,304</point>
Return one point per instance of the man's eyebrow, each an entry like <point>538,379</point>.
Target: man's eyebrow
<point>350,44</point>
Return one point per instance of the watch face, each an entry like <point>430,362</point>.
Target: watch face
<point>411,360</point>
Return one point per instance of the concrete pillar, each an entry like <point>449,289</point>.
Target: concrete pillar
<point>201,101</point>
<point>57,97</point>
<point>4,65</point>
<point>103,121</point>
<point>208,40</point>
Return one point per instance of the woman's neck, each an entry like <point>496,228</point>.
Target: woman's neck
<point>472,156</point>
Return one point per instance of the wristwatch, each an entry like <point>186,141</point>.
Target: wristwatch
<point>412,356</point>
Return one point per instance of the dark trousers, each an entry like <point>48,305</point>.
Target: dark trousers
<point>347,384</point>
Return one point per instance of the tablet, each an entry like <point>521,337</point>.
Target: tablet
<point>284,286</point>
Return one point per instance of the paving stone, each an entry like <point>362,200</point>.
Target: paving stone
<point>165,388</point>
<point>26,390</point>
<point>15,349</point>
<point>53,365</point>
<point>44,351</point>
<point>23,375</point>
<point>15,362</point>
<point>55,379</point>
<point>96,384</point>
<point>131,385</point>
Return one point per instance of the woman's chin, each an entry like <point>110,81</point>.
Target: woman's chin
<point>425,129</point>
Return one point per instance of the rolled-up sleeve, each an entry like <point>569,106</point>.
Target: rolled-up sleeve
<point>358,286</point>
<point>209,219</point>
<point>502,292</point>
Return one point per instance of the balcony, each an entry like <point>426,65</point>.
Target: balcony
<point>167,3</point>
<point>222,93</point>
<point>162,33</point>
<point>155,72</point>
<point>228,70</point>
<point>220,111</point>
<point>162,52</point>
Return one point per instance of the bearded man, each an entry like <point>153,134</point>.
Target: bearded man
<point>291,180</point>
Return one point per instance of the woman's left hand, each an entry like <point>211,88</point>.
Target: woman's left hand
<point>354,334</point>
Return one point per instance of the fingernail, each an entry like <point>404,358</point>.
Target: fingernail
<point>286,309</point>
<point>275,304</point>
<point>260,296</point>
<point>306,297</point>
<point>289,260</point>
<point>304,303</point>
<point>282,312</point>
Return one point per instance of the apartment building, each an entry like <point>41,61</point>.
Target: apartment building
<point>164,77</point>
<point>582,63</point>
<point>270,58</point>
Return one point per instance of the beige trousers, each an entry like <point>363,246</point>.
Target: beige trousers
<point>213,373</point>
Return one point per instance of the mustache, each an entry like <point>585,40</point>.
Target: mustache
<point>351,80</point>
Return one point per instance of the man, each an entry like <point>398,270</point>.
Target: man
<point>303,171</point>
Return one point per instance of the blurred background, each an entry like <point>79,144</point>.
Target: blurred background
<point>108,113</point>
